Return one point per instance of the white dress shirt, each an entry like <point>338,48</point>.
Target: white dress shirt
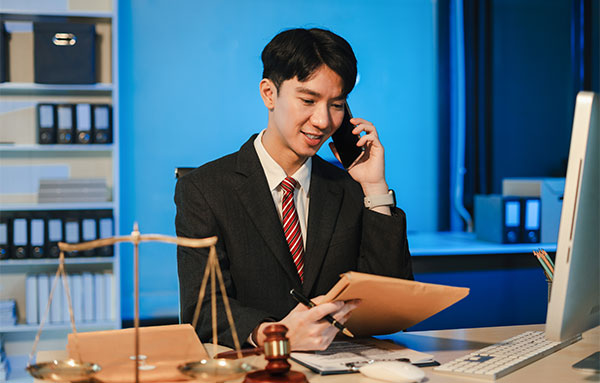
<point>275,174</point>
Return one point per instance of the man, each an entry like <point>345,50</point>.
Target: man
<point>286,218</point>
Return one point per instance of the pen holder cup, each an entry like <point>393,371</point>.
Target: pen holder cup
<point>549,288</point>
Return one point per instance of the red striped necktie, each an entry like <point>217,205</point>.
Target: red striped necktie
<point>291,225</point>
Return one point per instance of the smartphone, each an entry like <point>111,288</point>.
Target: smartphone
<point>345,141</point>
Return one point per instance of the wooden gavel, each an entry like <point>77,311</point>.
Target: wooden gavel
<point>277,351</point>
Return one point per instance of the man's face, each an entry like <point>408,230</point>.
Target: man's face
<point>303,116</point>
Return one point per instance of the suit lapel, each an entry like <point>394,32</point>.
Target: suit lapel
<point>325,201</point>
<point>254,194</point>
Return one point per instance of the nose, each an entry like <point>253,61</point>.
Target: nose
<point>321,118</point>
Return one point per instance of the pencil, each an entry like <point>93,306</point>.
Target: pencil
<point>310,304</point>
<point>547,271</point>
<point>547,259</point>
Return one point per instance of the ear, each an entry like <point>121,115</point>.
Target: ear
<point>268,92</point>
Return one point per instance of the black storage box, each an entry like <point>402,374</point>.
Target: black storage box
<point>3,53</point>
<point>64,53</point>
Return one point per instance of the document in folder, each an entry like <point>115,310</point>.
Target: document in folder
<point>164,348</point>
<point>391,304</point>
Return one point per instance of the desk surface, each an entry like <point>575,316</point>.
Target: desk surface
<point>459,243</point>
<point>447,345</point>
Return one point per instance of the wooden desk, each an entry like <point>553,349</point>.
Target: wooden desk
<point>447,345</point>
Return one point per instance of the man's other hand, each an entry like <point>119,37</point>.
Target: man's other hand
<point>307,330</point>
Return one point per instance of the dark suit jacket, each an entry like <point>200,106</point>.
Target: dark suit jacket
<point>230,198</point>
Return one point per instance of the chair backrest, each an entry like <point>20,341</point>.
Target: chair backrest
<point>180,172</point>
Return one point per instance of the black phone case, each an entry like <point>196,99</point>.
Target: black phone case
<point>345,141</point>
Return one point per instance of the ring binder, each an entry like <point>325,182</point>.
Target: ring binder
<point>102,124</point>
<point>83,129</point>
<point>65,124</point>
<point>20,238</point>
<point>46,124</point>
<point>38,237</point>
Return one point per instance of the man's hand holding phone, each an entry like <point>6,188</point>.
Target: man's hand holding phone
<point>368,168</point>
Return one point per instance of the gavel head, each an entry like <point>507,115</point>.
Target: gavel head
<point>277,349</point>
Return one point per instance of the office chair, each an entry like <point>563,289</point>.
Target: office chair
<point>181,171</point>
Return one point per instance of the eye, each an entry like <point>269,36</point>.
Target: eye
<point>307,101</point>
<point>338,106</point>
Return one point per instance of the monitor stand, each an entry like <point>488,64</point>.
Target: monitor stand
<point>589,364</point>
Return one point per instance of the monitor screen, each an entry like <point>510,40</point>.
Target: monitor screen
<point>575,296</point>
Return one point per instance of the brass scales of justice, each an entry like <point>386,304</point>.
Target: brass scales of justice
<point>75,370</point>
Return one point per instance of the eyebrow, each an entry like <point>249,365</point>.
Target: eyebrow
<point>311,92</point>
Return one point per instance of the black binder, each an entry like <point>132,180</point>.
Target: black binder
<point>20,237</point>
<point>512,220</point>
<point>37,242</point>
<point>532,209</point>
<point>64,53</point>
<point>72,231</point>
<point>65,123</point>
<point>3,53</point>
<point>102,117</point>
<point>55,233</point>
<point>105,230</point>
<point>89,231</point>
<point>5,235</point>
<point>46,114</point>
<point>83,130</point>
<point>498,218</point>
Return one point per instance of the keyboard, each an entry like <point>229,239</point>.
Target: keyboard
<point>502,358</point>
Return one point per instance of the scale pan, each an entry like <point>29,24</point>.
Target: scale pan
<point>68,370</point>
<point>216,370</point>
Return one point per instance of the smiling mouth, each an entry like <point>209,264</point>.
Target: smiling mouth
<point>312,136</point>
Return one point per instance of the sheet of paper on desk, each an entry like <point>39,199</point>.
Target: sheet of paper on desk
<point>341,356</point>
<point>389,305</point>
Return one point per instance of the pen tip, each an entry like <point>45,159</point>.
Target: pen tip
<point>348,333</point>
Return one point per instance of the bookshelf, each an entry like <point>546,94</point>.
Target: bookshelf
<point>19,148</point>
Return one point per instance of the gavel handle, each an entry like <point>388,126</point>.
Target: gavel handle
<point>234,354</point>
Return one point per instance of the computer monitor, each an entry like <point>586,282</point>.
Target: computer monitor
<point>575,296</point>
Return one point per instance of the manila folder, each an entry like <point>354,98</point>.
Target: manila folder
<point>390,305</point>
<point>164,348</point>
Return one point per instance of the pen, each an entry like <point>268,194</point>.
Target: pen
<point>310,304</point>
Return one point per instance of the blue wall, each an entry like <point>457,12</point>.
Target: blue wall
<point>189,74</point>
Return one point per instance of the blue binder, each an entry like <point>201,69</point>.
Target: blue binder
<point>532,208</point>
<point>498,218</point>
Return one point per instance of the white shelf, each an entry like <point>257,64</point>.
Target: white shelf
<point>65,13</point>
<point>5,263</point>
<point>59,327</point>
<point>23,87</point>
<point>459,243</point>
<point>57,206</point>
<point>56,148</point>
<point>18,339</point>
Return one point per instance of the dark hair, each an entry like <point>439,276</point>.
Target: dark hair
<point>300,52</point>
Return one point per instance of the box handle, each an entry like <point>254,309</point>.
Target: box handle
<point>64,39</point>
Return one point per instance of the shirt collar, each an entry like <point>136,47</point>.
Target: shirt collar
<point>275,173</point>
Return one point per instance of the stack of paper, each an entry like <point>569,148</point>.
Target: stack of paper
<point>73,190</point>
<point>8,312</point>
<point>348,356</point>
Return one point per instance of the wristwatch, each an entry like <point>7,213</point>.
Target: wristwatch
<point>388,199</point>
